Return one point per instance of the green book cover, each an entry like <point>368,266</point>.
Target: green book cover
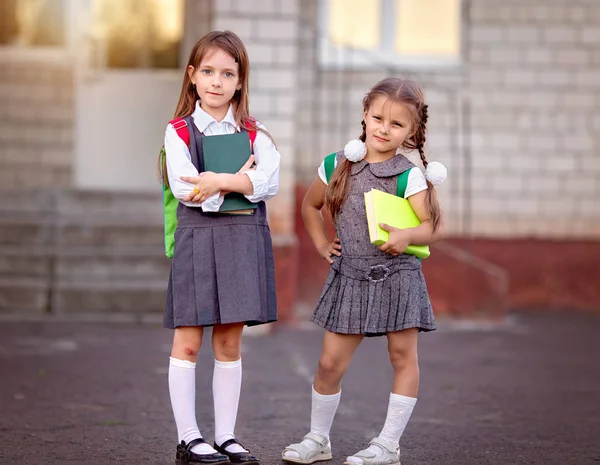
<point>394,211</point>
<point>227,153</point>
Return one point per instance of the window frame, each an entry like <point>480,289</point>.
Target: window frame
<point>72,10</point>
<point>78,40</point>
<point>332,56</point>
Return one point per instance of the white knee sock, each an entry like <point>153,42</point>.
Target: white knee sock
<point>182,389</point>
<point>227,384</point>
<point>323,411</point>
<point>399,411</point>
<point>321,418</point>
<point>398,414</point>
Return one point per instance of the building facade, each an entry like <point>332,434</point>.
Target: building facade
<point>86,88</point>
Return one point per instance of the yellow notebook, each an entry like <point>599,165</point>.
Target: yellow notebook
<point>394,211</point>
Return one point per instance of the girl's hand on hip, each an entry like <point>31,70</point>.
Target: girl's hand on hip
<point>330,248</point>
<point>398,241</point>
<point>205,185</point>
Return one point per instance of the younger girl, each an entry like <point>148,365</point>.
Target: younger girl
<point>371,291</point>
<point>222,273</point>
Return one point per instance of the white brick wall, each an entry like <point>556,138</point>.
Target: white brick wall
<point>536,62</point>
<point>532,74</point>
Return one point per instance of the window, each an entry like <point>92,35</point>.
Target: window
<point>401,32</point>
<point>32,23</point>
<point>139,33</point>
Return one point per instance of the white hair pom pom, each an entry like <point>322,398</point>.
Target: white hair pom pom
<point>355,150</point>
<point>436,173</point>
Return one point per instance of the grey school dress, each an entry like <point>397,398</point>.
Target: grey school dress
<point>222,269</point>
<point>367,291</point>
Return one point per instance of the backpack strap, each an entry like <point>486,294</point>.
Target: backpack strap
<point>181,127</point>
<point>252,134</point>
<point>402,183</point>
<point>329,164</point>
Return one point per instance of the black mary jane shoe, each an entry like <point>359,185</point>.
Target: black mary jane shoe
<point>185,455</point>
<point>237,457</point>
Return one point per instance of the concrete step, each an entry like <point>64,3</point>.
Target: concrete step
<point>24,294</point>
<point>98,263</point>
<point>100,252</point>
<point>81,218</point>
<point>104,234</point>
<point>31,295</point>
<point>140,297</point>
<point>21,261</point>
<point>24,231</point>
<point>112,265</point>
<point>84,279</point>
<point>77,203</point>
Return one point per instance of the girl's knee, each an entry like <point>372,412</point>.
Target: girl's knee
<point>403,359</point>
<point>329,366</point>
<point>227,347</point>
<point>186,343</point>
<point>185,350</point>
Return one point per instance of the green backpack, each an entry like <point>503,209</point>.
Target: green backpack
<point>169,201</point>
<point>402,178</point>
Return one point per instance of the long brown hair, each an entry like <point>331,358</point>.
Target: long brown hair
<point>399,91</point>
<point>230,43</point>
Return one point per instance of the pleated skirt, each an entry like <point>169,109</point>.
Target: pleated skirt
<point>221,274</point>
<point>374,296</point>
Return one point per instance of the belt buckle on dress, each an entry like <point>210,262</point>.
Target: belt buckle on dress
<point>377,273</point>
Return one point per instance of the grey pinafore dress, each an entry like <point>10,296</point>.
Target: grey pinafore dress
<point>367,291</point>
<point>222,269</point>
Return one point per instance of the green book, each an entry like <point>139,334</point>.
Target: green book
<point>394,211</point>
<point>227,153</point>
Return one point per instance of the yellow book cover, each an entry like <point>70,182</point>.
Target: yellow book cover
<point>395,211</point>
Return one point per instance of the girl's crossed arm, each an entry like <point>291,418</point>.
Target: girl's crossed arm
<point>258,184</point>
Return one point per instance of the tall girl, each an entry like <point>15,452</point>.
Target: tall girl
<point>222,272</point>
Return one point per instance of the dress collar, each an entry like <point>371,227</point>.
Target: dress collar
<point>393,166</point>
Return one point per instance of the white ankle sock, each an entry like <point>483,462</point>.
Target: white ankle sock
<point>227,384</point>
<point>321,418</point>
<point>182,389</point>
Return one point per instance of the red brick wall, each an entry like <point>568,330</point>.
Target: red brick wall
<point>545,274</point>
<point>286,281</point>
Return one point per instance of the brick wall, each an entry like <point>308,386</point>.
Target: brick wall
<point>534,73</point>
<point>531,73</point>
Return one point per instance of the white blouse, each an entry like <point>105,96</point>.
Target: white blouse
<point>265,178</point>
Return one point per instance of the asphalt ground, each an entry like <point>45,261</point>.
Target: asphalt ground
<point>525,391</point>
